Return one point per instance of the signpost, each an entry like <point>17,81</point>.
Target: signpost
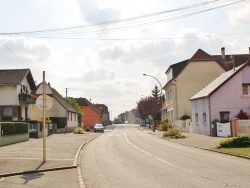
<point>44,102</point>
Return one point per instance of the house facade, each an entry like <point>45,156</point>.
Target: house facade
<point>221,100</point>
<point>105,113</point>
<point>187,77</point>
<point>91,114</point>
<point>59,109</point>
<point>15,94</point>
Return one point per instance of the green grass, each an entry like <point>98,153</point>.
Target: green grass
<point>236,151</point>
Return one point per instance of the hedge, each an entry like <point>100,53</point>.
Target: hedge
<point>9,128</point>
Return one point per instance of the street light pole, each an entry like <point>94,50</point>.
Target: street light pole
<point>159,84</point>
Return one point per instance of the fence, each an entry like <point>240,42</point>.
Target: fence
<point>182,125</point>
<point>242,127</point>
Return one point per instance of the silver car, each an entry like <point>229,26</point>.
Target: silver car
<point>98,127</point>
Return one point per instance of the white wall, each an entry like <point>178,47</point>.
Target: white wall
<point>8,95</point>
<point>200,106</point>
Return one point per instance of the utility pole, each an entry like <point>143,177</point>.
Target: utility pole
<point>66,110</point>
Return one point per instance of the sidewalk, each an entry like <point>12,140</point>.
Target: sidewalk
<point>62,152</point>
<point>194,140</point>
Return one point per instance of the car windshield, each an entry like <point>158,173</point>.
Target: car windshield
<point>98,125</point>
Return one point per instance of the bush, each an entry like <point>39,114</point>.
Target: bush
<point>87,129</point>
<point>78,130</point>
<point>237,142</point>
<point>10,128</point>
<point>173,133</point>
<point>185,117</point>
<point>164,125</point>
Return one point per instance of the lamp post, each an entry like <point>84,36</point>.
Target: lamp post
<point>159,84</point>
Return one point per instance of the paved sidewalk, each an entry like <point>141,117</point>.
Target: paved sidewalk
<point>194,140</point>
<point>61,153</point>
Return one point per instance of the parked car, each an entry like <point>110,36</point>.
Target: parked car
<point>98,127</point>
<point>142,123</point>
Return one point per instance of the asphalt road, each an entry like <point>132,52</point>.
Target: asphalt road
<point>127,157</point>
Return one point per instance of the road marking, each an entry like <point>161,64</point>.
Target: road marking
<point>145,152</point>
<point>163,161</point>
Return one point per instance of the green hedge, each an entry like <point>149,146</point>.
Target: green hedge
<point>60,121</point>
<point>9,128</point>
<point>241,141</point>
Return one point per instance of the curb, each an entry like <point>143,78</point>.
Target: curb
<point>213,150</point>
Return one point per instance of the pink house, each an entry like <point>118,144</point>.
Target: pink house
<point>221,100</point>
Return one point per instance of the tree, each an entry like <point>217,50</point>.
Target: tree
<point>148,106</point>
<point>75,105</point>
<point>156,93</point>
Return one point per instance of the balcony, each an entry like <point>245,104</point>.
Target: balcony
<point>25,98</point>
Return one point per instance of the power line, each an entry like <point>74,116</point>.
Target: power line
<point>129,23</point>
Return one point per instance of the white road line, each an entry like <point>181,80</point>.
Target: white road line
<point>145,152</point>
<point>163,161</point>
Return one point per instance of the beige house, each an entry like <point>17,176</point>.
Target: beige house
<point>58,111</point>
<point>186,78</point>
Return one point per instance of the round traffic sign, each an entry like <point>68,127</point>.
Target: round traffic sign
<point>48,102</point>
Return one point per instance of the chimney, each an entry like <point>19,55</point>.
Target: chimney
<point>223,53</point>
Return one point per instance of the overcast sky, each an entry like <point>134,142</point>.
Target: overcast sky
<point>106,62</point>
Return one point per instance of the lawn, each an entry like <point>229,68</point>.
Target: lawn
<point>237,151</point>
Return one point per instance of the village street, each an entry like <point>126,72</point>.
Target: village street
<point>122,156</point>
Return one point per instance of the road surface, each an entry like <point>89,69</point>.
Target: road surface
<point>127,157</point>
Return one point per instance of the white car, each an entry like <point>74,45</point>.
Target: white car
<point>98,127</point>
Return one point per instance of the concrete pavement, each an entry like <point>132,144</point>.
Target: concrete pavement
<point>62,152</point>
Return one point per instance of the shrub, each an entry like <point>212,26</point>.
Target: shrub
<point>173,133</point>
<point>241,141</point>
<point>87,129</point>
<point>78,130</point>
<point>184,117</point>
<point>164,125</point>
<point>10,128</point>
<point>242,115</point>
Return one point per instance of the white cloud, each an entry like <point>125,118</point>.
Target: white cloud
<point>26,52</point>
<point>94,14</point>
<point>240,14</point>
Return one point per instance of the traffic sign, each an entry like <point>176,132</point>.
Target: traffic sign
<point>48,102</point>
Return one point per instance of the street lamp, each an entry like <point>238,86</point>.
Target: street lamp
<point>159,84</point>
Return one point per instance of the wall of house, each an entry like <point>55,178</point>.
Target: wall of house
<point>200,107</point>
<point>90,117</point>
<point>57,110</point>
<point>8,96</point>
<point>171,104</point>
<point>229,97</point>
<point>193,78</point>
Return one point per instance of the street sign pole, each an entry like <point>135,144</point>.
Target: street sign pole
<point>44,108</point>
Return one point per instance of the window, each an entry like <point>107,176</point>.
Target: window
<point>7,111</point>
<point>196,118</point>
<point>224,116</point>
<point>204,118</point>
<point>246,89</point>
<point>169,95</point>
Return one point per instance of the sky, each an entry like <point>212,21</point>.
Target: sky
<point>100,49</point>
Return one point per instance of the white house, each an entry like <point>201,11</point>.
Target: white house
<point>221,100</point>
<point>15,94</point>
